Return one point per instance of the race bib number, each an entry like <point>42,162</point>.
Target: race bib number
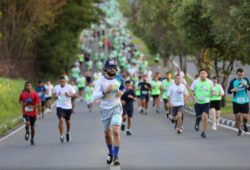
<point>241,99</point>
<point>62,98</point>
<point>27,109</point>
<point>178,99</point>
<point>202,99</point>
<point>116,119</point>
<point>144,92</point>
<point>114,91</point>
<point>40,94</point>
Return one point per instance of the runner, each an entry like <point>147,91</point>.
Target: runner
<point>155,93</point>
<point>88,76</point>
<point>157,58</point>
<point>128,106</point>
<point>177,98</point>
<point>64,92</point>
<point>97,75</point>
<point>81,81</point>
<point>145,88</point>
<point>49,89</point>
<point>89,64</point>
<point>80,58</point>
<point>138,92</point>
<point>215,102</point>
<point>75,72</point>
<point>109,89</point>
<point>202,88</point>
<point>239,86</point>
<point>30,101</point>
<point>40,89</point>
<point>180,72</point>
<point>165,86</point>
<point>89,96</point>
<point>99,65</point>
<point>66,77</point>
<point>73,99</point>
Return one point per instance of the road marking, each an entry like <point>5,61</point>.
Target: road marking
<point>112,167</point>
<point>20,128</point>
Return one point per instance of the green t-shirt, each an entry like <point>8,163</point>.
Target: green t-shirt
<point>75,72</point>
<point>156,88</point>
<point>216,90</point>
<point>89,93</point>
<point>138,91</point>
<point>157,58</point>
<point>82,47</point>
<point>99,65</point>
<point>80,82</point>
<point>100,44</point>
<point>202,90</point>
<point>89,64</point>
<point>166,84</point>
<point>101,56</point>
<point>89,51</point>
<point>86,32</point>
<point>80,57</point>
<point>102,27</point>
<point>95,56</point>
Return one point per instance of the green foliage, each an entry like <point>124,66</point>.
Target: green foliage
<point>0,18</point>
<point>56,47</point>
<point>9,106</point>
<point>125,8</point>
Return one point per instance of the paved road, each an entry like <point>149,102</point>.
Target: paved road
<point>154,144</point>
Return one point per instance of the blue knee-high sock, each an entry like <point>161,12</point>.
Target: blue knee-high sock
<point>111,150</point>
<point>116,150</point>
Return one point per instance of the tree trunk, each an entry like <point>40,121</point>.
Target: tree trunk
<point>181,62</point>
<point>185,65</point>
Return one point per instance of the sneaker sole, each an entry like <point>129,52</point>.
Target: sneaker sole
<point>116,163</point>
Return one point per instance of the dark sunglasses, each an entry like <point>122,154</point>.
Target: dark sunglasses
<point>112,67</point>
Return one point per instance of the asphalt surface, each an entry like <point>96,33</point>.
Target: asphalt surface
<point>154,144</point>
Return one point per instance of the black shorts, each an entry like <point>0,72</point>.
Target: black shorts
<point>138,97</point>
<point>156,61</point>
<point>80,62</point>
<point>47,99</point>
<point>65,113</point>
<point>155,96</point>
<point>215,104</point>
<point>31,119</point>
<point>241,108</point>
<point>81,89</point>
<point>128,112</point>
<point>43,103</point>
<point>200,108</point>
<point>145,97</point>
<point>165,101</point>
<point>72,99</point>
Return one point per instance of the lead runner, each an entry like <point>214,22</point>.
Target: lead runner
<point>109,89</point>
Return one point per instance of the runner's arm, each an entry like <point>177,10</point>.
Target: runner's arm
<point>97,93</point>
<point>230,87</point>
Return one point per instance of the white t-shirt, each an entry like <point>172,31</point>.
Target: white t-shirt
<point>48,90</point>
<point>148,73</point>
<point>76,64</point>
<point>176,94</point>
<point>63,101</point>
<point>220,88</point>
<point>181,74</point>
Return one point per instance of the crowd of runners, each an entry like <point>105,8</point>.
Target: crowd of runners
<point>110,70</point>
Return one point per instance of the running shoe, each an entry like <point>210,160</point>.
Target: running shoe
<point>109,159</point>
<point>166,115</point>
<point>214,127</point>
<point>128,133</point>
<point>175,126</point>
<point>157,111</point>
<point>203,135</point>
<point>170,117</point>
<point>240,133</point>
<point>179,132</point>
<point>173,121</point>
<point>182,127</point>
<point>38,117</point>
<point>153,105</point>
<point>116,161</point>
<point>245,127</point>
<point>62,138</point>
<point>145,113</point>
<point>26,137</point>
<point>123,127</point>
<point>81,100</point>
<point>196,126</point>
<point>88,105</point>
<point>68,137</point>
<point>32,142</point>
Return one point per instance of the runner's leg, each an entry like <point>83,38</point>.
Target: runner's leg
<point>61,121</point>
<point>205,121</point>
<point>238,121</point>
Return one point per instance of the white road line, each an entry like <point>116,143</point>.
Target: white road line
<point>112,167</point>
<point>20,128</point>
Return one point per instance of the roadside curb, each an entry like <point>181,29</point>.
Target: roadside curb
<point>21,127</point>
<point>222,121</point>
